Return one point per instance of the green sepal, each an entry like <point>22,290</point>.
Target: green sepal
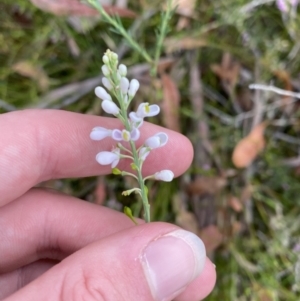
<point>116,171</point>
<point>128,212</point>
<point>133,166</point>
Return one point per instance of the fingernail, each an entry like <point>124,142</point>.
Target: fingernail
<point>172,262</point>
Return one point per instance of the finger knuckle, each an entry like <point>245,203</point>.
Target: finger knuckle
<point>89,287</point>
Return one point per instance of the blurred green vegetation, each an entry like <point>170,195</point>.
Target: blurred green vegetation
<point>260,261</point>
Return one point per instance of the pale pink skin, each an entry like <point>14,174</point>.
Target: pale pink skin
<point>38,145</point>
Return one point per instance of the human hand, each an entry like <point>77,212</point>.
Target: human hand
<point>55,247</point>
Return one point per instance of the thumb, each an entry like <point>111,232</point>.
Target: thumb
<point>155,261</point>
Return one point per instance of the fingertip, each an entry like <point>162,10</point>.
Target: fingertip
<point>202,286</point>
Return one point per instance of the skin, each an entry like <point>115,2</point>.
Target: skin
<point>56,247</point>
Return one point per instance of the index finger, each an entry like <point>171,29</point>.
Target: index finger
<point>38,145</point>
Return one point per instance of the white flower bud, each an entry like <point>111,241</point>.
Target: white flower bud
<point>110,107</point>
<point>105,70</point>
<point>105,59</point>
<point>99,133</point>
<point>114,56</point>
<point>124,84</point>
<point>164,175</point>
<point>102,94</point>
<point>133,87</point>
<point>122,70</point>
<point>106,83</point>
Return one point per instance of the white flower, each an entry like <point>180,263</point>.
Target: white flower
<point>106,83</point>
<point>133,87</point>
<point>102,94</point>
<point>164,175</point>
<point>110,107</point>
<point>124,84</point>
<point>99,133</point>
<point>124,135</point>
<point>105,70</point>
<point>144,110</point>
<point>158,140</point>
<point>122,70</point>
<point>106,158</point>
<point>120,135</point>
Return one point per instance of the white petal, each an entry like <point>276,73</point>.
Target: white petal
<point>137,124</point>
<point>102,94</point>
<point>105,70</point>
<point>163,138</point>
<point>133,87</point>
<point>106,83</point>
<point>115,163</point>
<point>140,112</point>
<point>110,107</point>
<point>145,110</point>
<point>106,158</point>
<point>122,70</point>
<point>105,59</point>
<point>116,135</point>
<point>135,134</point>
<point>99,133</point>
<point>143,153</point>
<point>114,56</point>
<point>164,175</point>
<point>153,110</point>
<point>158,140</point>
<point>153,142</point>
<point>124,84</point>
<point>133,116</point>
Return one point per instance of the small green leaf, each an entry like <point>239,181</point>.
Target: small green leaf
<point>116,171</point>
<point>128,212</point>
<point>133,166</point>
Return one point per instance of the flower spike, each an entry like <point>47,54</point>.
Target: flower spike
<point>116,82</point>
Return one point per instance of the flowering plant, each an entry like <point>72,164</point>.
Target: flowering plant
<point>118,85</point>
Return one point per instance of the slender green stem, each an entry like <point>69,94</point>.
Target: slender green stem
<point>125,173</point>
<point>121,30</point>
<point>166,16</point>
<point>137,163</point>
<point>124,148</point>
<point>127,157</point>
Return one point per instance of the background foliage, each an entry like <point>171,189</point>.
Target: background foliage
<point>247,216</point>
